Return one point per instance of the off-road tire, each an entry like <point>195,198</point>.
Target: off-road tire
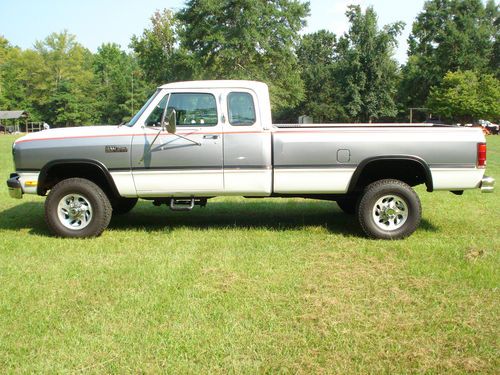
<point>101,208</point>
<point>378,190</point>
<point>121,206</point>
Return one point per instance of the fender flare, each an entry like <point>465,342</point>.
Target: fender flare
<point>44,172</point>
<point>359,169</point>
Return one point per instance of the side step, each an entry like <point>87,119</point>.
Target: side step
<point>181,204</point>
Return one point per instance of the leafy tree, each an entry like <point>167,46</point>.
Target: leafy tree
<point>493,15</point>
<point>62,83</point>
<point>318,61</point>
<point>64,90</point>
<point>367,72</point>
<point>120,84</point>
<point>449,35</point>
<point>16,66</point>
<point>158,52</point>
<point>247,39</point>
<point>465,96</point>
<point>4,49</point>
<point>18,71</point>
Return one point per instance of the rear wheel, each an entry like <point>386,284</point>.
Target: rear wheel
<point>389,209</point>
<point>77,207</point>
<point>122,206</point>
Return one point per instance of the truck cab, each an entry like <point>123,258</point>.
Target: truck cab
<point>222,144</point>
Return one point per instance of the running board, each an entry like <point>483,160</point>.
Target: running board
<point>181,204</point>
<point>185,204</point>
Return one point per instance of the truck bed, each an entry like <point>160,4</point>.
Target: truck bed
<point>317,157</point>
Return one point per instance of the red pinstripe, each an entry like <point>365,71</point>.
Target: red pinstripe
<point>282,131</point>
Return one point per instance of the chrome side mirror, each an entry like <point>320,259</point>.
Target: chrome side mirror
<point>172,122</point>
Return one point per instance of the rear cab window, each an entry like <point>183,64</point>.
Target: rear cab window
<point>241,109</point>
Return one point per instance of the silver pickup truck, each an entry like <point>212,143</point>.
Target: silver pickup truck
<point>193,141</point>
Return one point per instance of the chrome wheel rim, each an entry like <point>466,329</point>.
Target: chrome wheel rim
<point>390,212</point>
<point>74,211</point>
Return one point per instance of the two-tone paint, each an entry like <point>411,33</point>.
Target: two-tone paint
<point>253,160</point>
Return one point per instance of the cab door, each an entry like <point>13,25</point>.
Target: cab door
<point>180,166</point>
<point>247,146</point>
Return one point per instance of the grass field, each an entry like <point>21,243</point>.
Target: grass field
<point>252,286</point>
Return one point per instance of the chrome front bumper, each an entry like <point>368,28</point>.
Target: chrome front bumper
<point>14,186</point>
<point>487,184</point>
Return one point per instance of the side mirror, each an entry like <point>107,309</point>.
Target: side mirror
<point>172,122</point>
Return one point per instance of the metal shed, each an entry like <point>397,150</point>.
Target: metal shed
<point>15,117</point>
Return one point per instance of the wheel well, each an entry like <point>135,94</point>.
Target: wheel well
<point>411,171</point>
<point>55,172</point>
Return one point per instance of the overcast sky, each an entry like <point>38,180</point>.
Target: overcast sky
<point>99,21</point>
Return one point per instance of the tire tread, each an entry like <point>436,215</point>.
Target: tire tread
<point>412,222</point>
<point>93,229</point>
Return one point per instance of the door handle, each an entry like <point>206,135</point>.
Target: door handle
<point>210,136</point>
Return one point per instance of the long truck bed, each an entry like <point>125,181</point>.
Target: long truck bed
<point>318,158</point>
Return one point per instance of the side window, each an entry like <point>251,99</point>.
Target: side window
<point>241,109</point>
<point>194,109</point>
<point>154,118</point>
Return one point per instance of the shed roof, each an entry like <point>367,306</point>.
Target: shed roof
<point>10,115</point>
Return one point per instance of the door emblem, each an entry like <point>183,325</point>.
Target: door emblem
<point>116,149</point>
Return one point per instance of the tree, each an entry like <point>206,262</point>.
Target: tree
<point>63,88</point>
<point>247,39</point>
<point>4,49</point>
<point>367,72</point>
<point>494,15</point>
<point>449,35</point>
<point>18,71</point>
<point>317,60</point>
<point>120,84</point>
<point>54,82</point>
<point>159,53</point>
<point>465,96</point>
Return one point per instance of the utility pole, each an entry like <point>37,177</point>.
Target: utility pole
<point>132,99</point>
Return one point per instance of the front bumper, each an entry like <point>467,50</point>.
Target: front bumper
<point>14,186</point>
<point>487,184</point>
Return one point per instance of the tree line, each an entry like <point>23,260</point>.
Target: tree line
<point>452,68</point>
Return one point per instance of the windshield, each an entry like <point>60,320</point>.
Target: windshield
<point>141,111</point>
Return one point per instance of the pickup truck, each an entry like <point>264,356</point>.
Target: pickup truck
<point>192,141</point>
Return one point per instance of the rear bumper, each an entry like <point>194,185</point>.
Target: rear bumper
<point>14,186</point>
<point>487,184</point>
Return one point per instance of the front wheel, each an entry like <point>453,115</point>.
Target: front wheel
<point>77,207</point>
<point>389,209</point>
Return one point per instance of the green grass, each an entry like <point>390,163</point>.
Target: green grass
<point>246,286</point>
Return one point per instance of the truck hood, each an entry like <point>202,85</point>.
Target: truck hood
<point>75,132</point>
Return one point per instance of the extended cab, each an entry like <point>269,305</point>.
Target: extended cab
<point>196,140</point>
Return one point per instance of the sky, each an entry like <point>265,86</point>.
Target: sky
<point>94,22</point>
